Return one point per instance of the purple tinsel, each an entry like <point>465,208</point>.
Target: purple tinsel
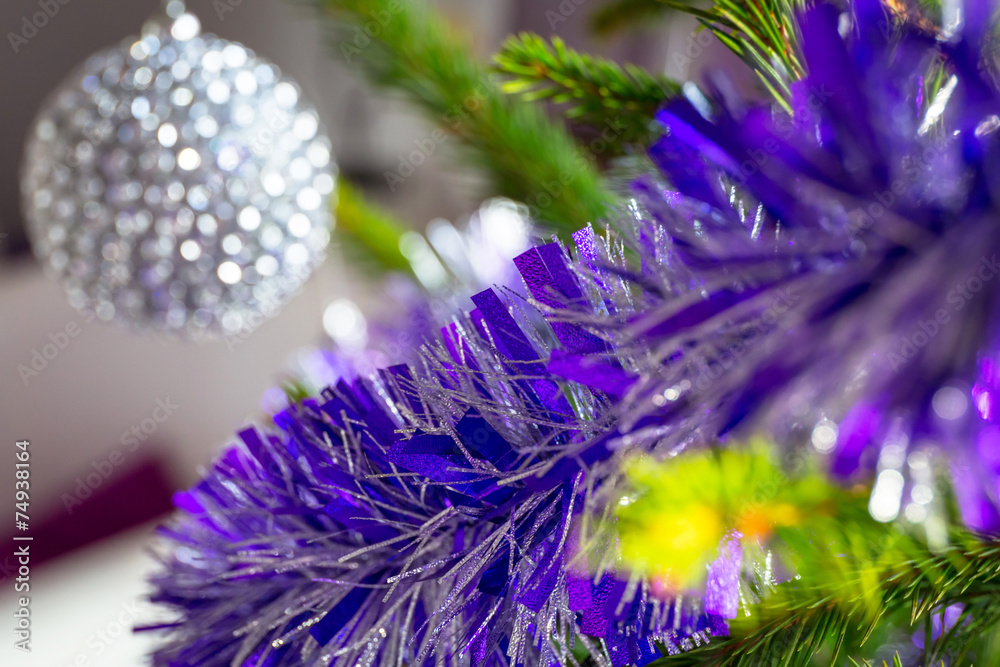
<point>795,273</point>
<point>846,267</point>
<point>396,521</point>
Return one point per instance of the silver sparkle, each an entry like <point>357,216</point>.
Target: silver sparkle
<point>178,183</point>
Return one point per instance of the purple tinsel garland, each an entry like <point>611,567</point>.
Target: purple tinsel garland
<point>427,515</point>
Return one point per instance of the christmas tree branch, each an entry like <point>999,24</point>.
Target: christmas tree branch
<point>792,626</point>
<point>761,32</point>
<point>862,584</point>
<point>402,45</point>
<point>594,89</point>
<point>859,584</point>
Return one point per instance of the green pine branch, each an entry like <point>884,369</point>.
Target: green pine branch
<point>618,101</point>
<point>861,585</point>
<point>761,32</point>
<point>802,619</point>
<point>401,44</point>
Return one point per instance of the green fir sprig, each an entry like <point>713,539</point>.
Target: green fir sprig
<point>761,32</point>
<point>860,585</point>
<point>810,621</point>
<point>617,101</point>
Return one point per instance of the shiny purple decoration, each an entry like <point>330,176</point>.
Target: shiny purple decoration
<point>722,592</point>
<point>394,521</point>
<point>838,265</point>
<point>796,269</point>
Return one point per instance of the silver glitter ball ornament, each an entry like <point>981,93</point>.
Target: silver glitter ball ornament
<point>177,183</point>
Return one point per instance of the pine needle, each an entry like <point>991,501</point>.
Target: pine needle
<point>791,624</point>
<point>761,33</point>
<point>593,90</point>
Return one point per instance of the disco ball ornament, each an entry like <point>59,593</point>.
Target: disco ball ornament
<point>177,183</point>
